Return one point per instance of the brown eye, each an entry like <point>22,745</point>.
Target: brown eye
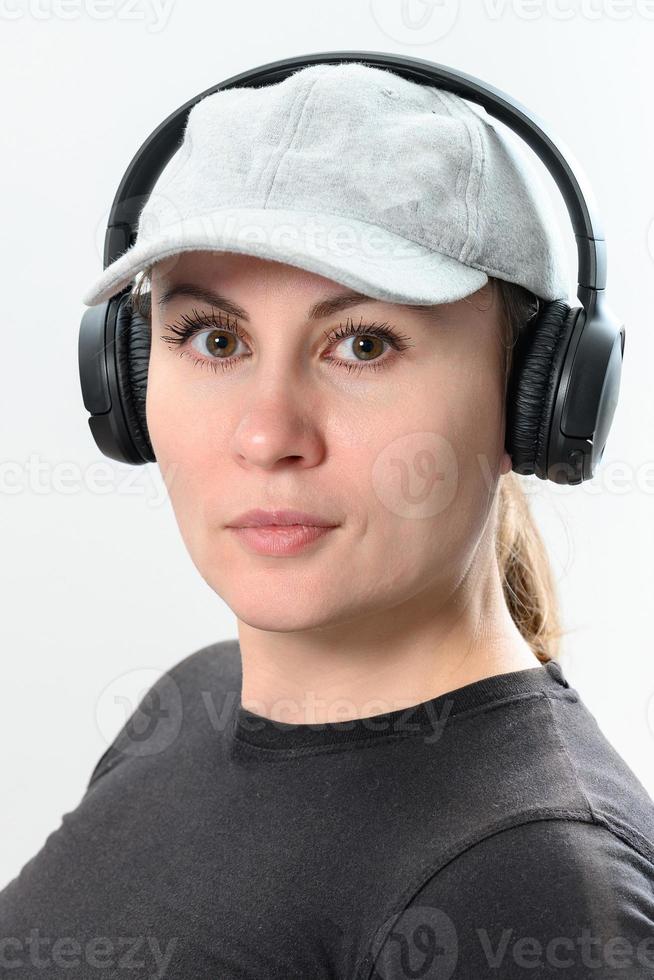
<point>218,343</point>
<point>368,346</point>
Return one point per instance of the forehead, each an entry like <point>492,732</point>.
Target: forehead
<point>215,268</point>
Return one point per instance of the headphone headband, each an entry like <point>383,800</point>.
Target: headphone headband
<point>143,171</point>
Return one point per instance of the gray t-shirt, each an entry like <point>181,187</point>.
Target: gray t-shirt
<point>492,831</point>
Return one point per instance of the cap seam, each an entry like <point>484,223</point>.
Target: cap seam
<point>472,223</point>
<point>475,238</point>
<point>437,246</point>
<point>441,95</point>
<point>297,124</point>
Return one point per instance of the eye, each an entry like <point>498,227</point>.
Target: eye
<point>216,338</point>
<point>216,344</point>
<point>219,343</point>
<point>369,342</point>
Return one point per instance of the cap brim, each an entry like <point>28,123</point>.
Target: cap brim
<point>355,253</point>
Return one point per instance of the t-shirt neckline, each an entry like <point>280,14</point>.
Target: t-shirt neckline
<point>266,733</point>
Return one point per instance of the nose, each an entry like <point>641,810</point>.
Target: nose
<point>279,428</point>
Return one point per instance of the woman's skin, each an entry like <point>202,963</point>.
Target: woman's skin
<point>403,600</point>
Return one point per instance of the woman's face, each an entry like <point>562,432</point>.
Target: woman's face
<point>400,448</point>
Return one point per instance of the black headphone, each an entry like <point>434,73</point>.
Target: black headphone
<point>565,378</point>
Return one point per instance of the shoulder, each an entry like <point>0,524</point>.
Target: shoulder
<point>536,899</point>
<point>189,700</point>
<point>216,662</point>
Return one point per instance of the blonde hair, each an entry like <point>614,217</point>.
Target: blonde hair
<point>527,579</point>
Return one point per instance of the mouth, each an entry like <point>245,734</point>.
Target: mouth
<point>271,519</point>
<point>279,540</point>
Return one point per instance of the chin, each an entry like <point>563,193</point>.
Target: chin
<point>284,610</point>
<point>277,621</point>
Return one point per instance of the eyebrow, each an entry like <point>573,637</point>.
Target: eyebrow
<point>323,308</point>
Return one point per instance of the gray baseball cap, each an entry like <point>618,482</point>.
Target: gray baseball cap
<point>401,191</point>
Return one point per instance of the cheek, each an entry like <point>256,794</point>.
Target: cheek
<point>187,447</point>
<point>185,421</point>
<point>435,470</point>
<point>169,417</point>
<point>475,410</point>
<point>458,415</point>
<point>418,470</point>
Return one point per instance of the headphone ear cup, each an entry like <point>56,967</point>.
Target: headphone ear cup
<point>133,337</point>
<point>537,361</point>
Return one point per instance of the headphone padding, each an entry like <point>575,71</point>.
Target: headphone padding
<point>538,356</point>
<point>133,336</point>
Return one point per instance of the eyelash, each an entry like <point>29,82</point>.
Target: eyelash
<point>193,323</point>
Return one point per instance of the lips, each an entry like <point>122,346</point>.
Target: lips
<point>280,541</point>
<point>280,518</point>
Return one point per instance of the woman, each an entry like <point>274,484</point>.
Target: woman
<point>387,774</point>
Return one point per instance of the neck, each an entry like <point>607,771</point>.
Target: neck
<point>393,658</point>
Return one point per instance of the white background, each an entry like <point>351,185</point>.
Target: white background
<point>97,587</point>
